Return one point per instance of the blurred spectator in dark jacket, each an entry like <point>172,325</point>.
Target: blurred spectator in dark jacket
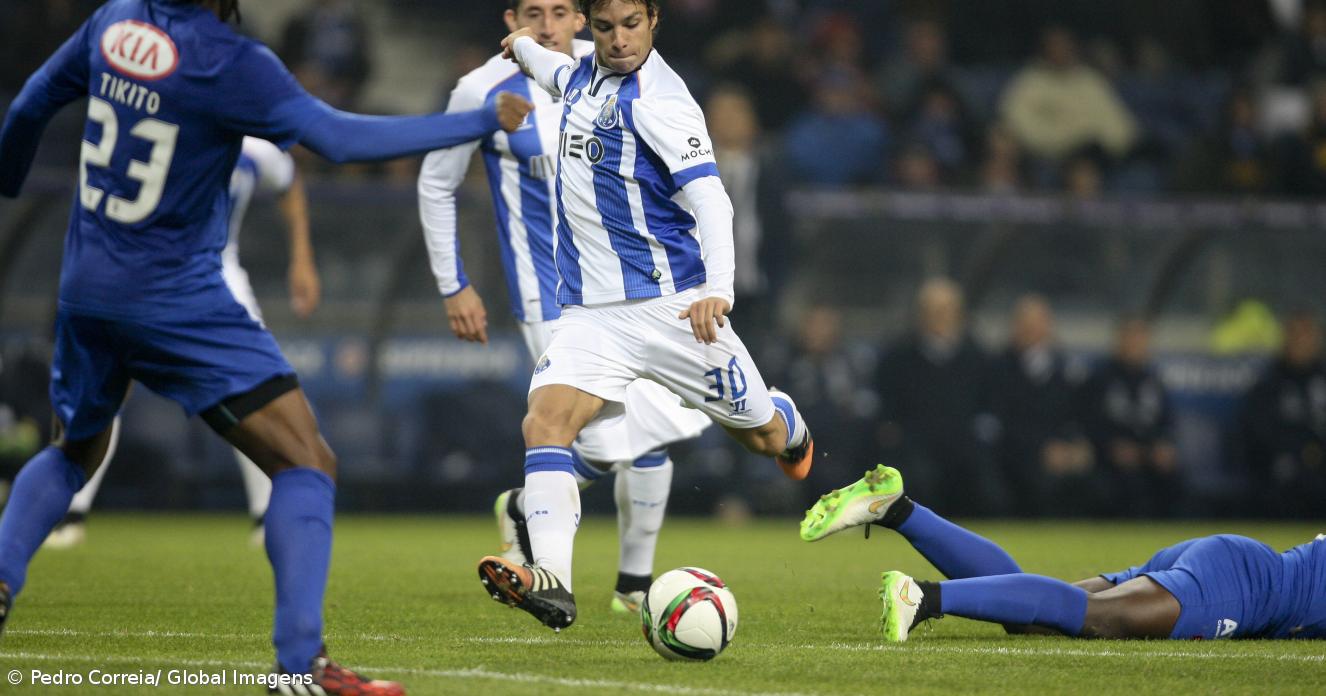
<point>832,384</point>
<point>840,141</point>
<point>1126,413</point>
<point>1058,104</point>
<point>753,174</point>
<point>1238,158</point>
<point>932,389</point>
<point>1305,51</point>
<point>765,62</point>
<point>1284,426</point>
<point>1002,169</point>
<point>922,61</point>
<point>1304,157</point>
<point>940,123</point>
<point>327,48</point>
<point>1041,450</point>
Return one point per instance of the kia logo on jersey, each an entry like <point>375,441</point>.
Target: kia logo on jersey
<point>139,50</point>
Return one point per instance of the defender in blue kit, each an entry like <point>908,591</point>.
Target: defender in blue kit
<point>172,90</point>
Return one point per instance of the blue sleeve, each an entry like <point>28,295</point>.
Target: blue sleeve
<point>62,79</point>
<point>282,112</point>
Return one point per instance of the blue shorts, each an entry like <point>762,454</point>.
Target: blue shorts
<point>197,362</point>
<point>1227,585</point>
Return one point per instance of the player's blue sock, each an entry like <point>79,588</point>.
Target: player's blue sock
<point>37,502</point>
<point>956,552</point>
<point>1017,599</point>
<point>299,540</point>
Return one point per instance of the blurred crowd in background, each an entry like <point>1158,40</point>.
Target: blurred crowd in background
<point>1068,99</point>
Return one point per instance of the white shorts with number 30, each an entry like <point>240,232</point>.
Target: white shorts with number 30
<point>615,351</point>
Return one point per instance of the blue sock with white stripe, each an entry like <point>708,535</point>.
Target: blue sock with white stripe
<point>299,540</point>
<point>38,501</point>
<point>796,429</point>
<point>552,508</point>
<point>642,499</point>
<point>1019,599</point>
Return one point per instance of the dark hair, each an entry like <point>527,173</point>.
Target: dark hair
<point>225,8</point>
<point>587,7</point>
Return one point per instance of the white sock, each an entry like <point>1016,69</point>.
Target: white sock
<point>552,509</point>
<point>82,501</point>
<point>642,500</point>
<point>256,484</point>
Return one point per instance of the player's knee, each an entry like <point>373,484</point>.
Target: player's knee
<point>543,427</point>
<point>768,440</point>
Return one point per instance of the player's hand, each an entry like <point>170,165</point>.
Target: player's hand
<point>704,314</point>
<point>469,320</point>
<point>509,43</point>
<point>512,110</point>
<point>305,288</point>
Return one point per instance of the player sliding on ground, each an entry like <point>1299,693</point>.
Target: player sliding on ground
<point>522,173</point>
<point>1222,586</point>
<point>642,297</point>
<point>172,92</point>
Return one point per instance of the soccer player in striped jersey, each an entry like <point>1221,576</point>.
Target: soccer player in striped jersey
<point>645,268</point>
<point>522,171</point>
<point>1222,586</point>
<point>262,169</point>
<point>172,90</point>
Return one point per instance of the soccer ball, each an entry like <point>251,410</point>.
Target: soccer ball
<point>689,614</point>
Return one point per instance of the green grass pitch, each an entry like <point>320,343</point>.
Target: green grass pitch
<point>186,592</point>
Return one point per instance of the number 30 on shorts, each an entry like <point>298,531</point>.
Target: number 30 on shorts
<point>735,385</point>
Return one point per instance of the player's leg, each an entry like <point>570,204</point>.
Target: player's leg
<point>721,380</point>
<point>72,530</point>
<point>551,498</point>
<point>88,384</point>
<point>878,498</point>
<point>584,369</point>
<point>641,491</point>
<point>226,368</point>
<point>258,491</point>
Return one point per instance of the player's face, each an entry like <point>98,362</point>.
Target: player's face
<point>555,22</point>
<point>623,34</point>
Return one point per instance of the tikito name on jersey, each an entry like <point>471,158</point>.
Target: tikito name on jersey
<point>134,96</point>
<point>579,146</point>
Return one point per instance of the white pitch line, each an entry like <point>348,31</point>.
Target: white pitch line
<point>917,647</point>
<point>469,673</point>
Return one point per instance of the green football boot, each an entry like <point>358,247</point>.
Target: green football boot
<point>863,502</point>
<point>902,599</point>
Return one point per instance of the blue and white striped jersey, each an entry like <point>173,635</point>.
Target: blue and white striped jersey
<point>521,167</point>
<point>629,143</point>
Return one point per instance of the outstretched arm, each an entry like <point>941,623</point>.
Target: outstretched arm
<point>62,79</point>
<point>550,69</point>
<point>305,286</point>
<point>269,103</point>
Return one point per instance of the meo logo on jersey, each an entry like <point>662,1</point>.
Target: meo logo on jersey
<point>578,146</point>
<point>139,50</point>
